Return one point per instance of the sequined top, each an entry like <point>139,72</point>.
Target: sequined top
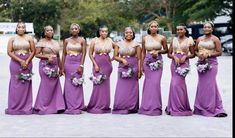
<point>49,47</point>
<point>206,47</point>
<point>105,47</point>
<point>182,47</point>
<point>21,45</point>
<point>152,44</point>
<point>127,50</point>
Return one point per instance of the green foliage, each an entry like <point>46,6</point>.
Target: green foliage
<point>40,12</point>
<point>116,14</point>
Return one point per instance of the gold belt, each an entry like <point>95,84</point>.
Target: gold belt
<point>205,51</point>
<point>126,56</point>
<point>21,52</point>
<point>73,53</point>
<point>102,53</point>
<point>179,52</point>
<point>152,51</point>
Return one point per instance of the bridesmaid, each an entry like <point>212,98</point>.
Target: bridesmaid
<point>208,101</point>
<point>49,99</point>
<point>100,48</point>
<point>73,59</point>
<point>21,50</point>
<point>180,51</point>
<point>128,54</point>
<point>153,46</point>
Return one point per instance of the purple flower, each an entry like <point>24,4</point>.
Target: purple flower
<point>99,79</point>
<point>154,65</point>
<point>128,74</point>
<point>77,81</point>
<point>24,76</point>
<point>51,72</point>
<point>203,66</point>
<point>182,71</point>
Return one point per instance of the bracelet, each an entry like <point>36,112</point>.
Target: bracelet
<point>81,66</point>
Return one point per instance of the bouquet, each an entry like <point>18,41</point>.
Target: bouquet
<point>99,79</point>
<point>127,74</point>
<point>76,81</point>
<point>182,71</point>
<point>154,65</point>
<point>51,72</point>
<point>203,66</point>
<point>23,77</point>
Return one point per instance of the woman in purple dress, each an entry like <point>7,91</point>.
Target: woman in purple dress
<point>21,49</point>
<point>100,48</point>
<point>208,101</point>
<point>180,51</point>
<point>128,54</point>
<point>153,46</point>
<point>49,98</point>
<point>73,59</point>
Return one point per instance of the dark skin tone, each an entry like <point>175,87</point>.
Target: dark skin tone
<point>50,58</point>
<point>181,37</point>
<point>160,38</point>
<point>10,51</point>
<point>207,28</point>
<point>74,39</point>
<point>128,40</point>
<point>103,35</point>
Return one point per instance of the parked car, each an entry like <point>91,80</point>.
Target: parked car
<point>228,46</point>
<point>117,38</point>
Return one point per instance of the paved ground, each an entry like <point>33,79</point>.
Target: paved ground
<point>108,125</point>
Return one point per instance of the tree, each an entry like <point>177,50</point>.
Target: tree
<point>40,12</point>
<point>209,9</point>
<point>169,13</point>
<point>90,14</point>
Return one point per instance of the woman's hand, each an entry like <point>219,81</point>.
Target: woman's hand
<point>97,69</point>
<point>139,74</point>
<point>61,72</point>
<point>177,60</point>
<point>125,63</point>
<point>80,70</point>
<point>23,64</point>
<point>183,59</point>
<point>154,54</point>
<point>50,58</point>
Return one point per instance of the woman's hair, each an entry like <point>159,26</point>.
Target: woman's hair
<point>212,25</point>
<point>149,24</point>
<point>132,32</point>
<point>44,29</point>
<point>75,24</point>
<point>17,26</point>
<point>185,28</point>
<point>98,31</point>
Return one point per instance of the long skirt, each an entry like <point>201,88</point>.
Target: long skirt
<point>100,98</point>
<point>20,91</point>
<point>73,94</point>
<point>126,98</point>
<point>151,103</point>
<point>178,103</point>
<point>49,98</point>
<point>208,101</point>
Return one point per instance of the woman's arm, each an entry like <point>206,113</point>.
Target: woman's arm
<point>91,52</point>
<point>164,44</point>
<point>218,49</point>
<point>138,49</point>
<point>64,54</point>
<point>11,53</point>
<point>32,49</point>
<point>83,51</point>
